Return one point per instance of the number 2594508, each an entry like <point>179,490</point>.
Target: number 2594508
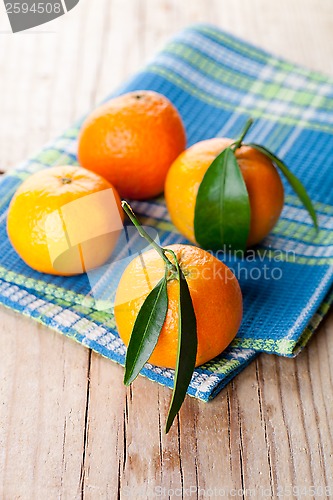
<point>36,8</point>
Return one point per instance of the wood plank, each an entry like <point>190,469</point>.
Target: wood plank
<point>42,393</point>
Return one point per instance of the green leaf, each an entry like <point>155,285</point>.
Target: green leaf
<point>222,210</point>
<point>187,348</point>
<point>146,330</point>
<point>292,179</point>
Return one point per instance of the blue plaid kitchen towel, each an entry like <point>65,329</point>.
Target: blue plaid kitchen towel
<point>216,81</point>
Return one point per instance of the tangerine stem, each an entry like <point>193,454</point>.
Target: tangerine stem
<point>237,144</point>
<point>129,212</point>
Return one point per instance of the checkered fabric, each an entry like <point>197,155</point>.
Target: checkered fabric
<point>216,81</point>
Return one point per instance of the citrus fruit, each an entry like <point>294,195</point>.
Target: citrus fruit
<point>64,220</point>
<point>215,294</point>
<point>132,141</point>
<point>263,183</point>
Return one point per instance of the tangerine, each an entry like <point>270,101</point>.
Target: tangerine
<point>215,293</point>
<point>262,180</point>
<point>131,141</point>
<point>64,220</point>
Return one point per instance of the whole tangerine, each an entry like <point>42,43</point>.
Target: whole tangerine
<point>131,141</point>
<point>214,290</point>
<point>262,180</point>
<point>64,220</point>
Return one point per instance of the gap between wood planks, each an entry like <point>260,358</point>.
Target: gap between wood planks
<point>85,429</point>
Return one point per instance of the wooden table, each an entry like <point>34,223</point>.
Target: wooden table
<point>68,427</point>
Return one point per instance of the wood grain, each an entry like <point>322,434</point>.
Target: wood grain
<point>42,411</point>
<point>68,427</point>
